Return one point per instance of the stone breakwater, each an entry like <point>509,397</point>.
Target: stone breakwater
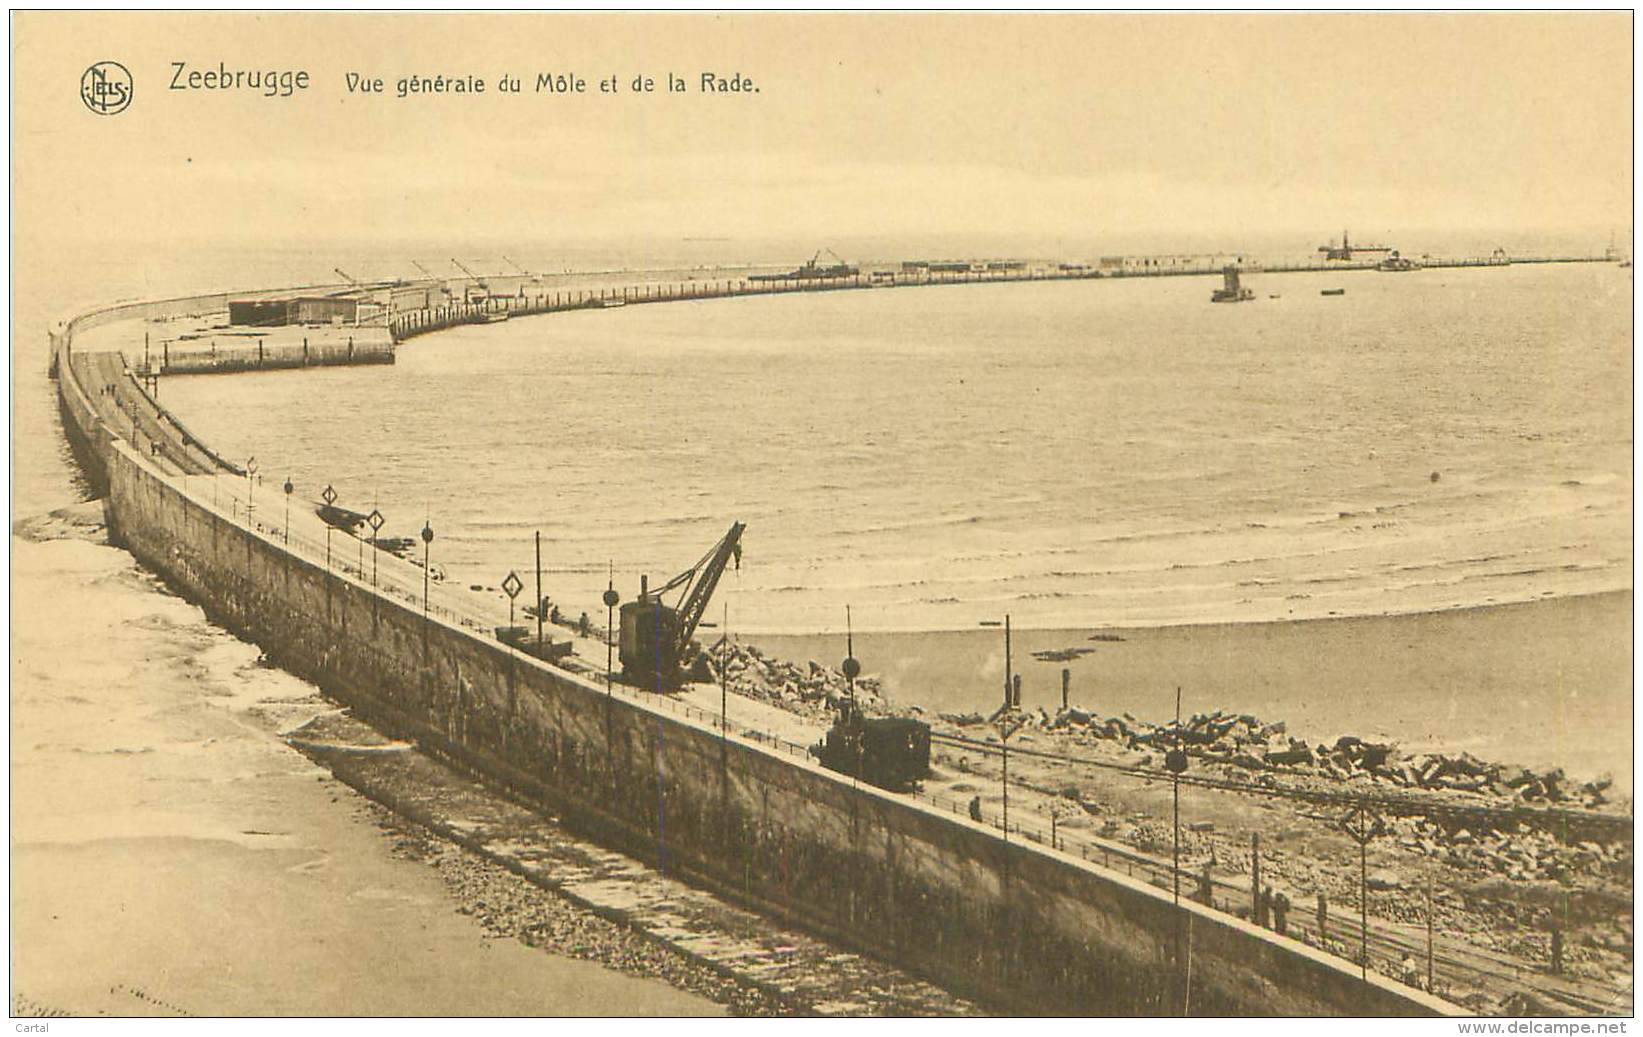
<point>1511,852</point>
<point>1018,926</point>
<point>1245,743</point>
<point>810,690</point>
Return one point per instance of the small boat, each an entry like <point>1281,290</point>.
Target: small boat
<point>1333,291</point>
<point>340,518</point>
<point>1396,264</point>
<point>609,303</point>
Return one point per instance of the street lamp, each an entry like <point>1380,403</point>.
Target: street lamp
<point>1175,761</point>
<point>251,484</point>
<point>850,666</point>
<point>288,488</point>
<point>852,669</point>
<point>610,599</point>
<point>427,538</point>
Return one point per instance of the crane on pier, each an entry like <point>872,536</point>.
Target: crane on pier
<point>526,277</point>
<point>1346,249</point>
<point>484,290</point>
<point>430,275</point>
<point>654,635</point>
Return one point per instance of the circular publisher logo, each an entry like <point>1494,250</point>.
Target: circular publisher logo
<point>106,88</point>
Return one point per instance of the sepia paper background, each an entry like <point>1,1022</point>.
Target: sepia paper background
<point>884,135</point>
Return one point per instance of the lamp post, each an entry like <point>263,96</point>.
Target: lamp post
<point>852,669</point>
<point>610,599</point>
<point>251,486</point>
<point>1175,761</point>
<point>427,539</point>
<point>288,488</point>
<point>850,666</point>
<point>1009,667</point>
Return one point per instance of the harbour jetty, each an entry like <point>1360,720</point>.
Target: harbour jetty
<point>1018,925</point>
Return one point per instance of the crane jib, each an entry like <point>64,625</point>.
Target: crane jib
<point>694,606</point>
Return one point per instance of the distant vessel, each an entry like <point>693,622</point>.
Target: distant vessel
<point>1231,290</point>
<point>1397,264</point>
<point>1333,291</point>
<point>614,301</point>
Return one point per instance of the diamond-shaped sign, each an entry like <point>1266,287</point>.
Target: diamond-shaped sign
<point>328,495</point>
<point>1362,824</point>
<point>375,519</point>
<point>513,585</point>
<point>1008,722</point>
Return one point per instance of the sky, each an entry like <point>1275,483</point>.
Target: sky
<point>1092,128</point>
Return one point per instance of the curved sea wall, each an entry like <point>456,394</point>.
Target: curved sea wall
<point>1022,927</point>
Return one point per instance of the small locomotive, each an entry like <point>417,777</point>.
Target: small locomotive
<point>890,752</point>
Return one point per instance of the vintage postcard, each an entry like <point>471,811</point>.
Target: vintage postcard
<point>822,515</point>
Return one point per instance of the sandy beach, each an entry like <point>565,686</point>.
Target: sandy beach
<point>1547,683</point>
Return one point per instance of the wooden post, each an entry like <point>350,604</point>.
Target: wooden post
<point>1429,954</point>
<point>1255,878</point>
<point>1007,663</point>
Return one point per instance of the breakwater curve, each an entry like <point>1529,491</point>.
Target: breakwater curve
<point>1019,926</point>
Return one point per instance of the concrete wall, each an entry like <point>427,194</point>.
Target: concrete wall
<point>1022,928</point>
<point>283,347</point>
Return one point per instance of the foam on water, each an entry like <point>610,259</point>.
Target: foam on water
<point>1115,453</point>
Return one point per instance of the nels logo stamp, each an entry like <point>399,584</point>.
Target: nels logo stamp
<point>106,88</point>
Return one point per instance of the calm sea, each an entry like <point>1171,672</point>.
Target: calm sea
<point>1117,453</point>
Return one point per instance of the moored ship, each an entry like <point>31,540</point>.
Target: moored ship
<point>1396,263</point>
<point>812,270</point>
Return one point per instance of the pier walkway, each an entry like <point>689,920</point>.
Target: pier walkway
<point>529,300</point>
